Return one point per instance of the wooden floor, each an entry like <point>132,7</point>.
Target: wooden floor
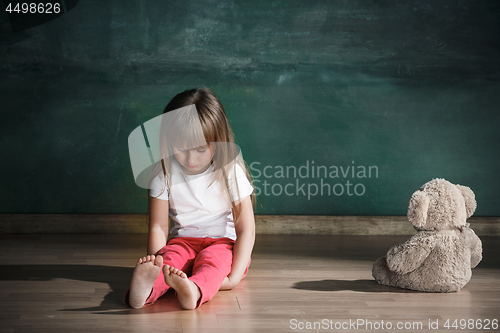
<point>76,283</point>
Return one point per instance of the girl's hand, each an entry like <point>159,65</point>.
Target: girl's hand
<point>229,283</point>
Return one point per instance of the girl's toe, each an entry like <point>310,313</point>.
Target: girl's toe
<point>158,260</point>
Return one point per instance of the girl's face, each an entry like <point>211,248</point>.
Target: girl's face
<point>193,161</point>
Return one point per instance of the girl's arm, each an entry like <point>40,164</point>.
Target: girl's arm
<point>245,239</point>
<point>158,225</point>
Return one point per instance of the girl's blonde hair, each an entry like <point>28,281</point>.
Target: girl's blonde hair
<point>182,130</point>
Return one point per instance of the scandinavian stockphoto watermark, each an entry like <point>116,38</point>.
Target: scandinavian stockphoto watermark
<point>311,180</point>
<point>385,325</point>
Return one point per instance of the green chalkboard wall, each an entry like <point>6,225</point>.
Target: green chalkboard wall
<point>401,91</point>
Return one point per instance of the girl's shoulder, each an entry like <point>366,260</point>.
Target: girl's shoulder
<point>236,171</point>
<point>239,185</point>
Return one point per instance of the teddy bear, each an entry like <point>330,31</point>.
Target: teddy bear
<point>440,256</point>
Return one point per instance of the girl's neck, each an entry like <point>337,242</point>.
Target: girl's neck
<point>190,173</point>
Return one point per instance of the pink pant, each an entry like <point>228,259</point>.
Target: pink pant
<point>206,261</point>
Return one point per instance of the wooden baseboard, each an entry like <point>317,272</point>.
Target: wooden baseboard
<point>265,224</point>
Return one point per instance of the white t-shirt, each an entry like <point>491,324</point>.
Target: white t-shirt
<point>197,210</point>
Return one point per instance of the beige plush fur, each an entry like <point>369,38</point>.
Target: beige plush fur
<point>439,257</point>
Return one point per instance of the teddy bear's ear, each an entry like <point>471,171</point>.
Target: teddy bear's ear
<point>417,209</point>
<point>470,199</point>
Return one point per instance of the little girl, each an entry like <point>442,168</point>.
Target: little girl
<point>203,185</point>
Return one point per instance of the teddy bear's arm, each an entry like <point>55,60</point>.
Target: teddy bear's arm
<point>476,254</point>
<point>406,257</point>
<point>476,247</point>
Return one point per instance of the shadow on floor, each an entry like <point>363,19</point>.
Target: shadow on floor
<point>355,285</point>
<point>118,279</point>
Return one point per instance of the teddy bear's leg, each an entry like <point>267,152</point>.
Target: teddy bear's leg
<point>383,275</point>
<point>381,272</point>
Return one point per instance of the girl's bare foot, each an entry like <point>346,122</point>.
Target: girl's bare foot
<point>145,273</point>
<point>187,291</point>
